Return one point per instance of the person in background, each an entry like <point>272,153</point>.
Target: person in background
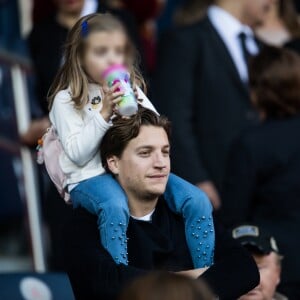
<point>201,84</point>
<point>166,286</point>
<point>262,178</point>
<point>146,13</point>
<point>281,25</point>
<point>45,44</point>
<point>190,12</point>
<point>294,43</point>
<point>265,252</point>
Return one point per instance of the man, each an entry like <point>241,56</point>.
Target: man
<point>264,250</point>
<point>201,84</point>
<point>136,152</point>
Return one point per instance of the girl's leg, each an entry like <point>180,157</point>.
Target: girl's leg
<point>103,196</point>
<point>189,201</point>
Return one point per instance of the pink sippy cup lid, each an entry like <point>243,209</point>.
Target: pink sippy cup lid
<point>114,68</point>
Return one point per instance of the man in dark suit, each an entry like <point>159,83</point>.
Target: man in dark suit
<point>136,151</point>
<point>262,175</point>
<point>201,84</point>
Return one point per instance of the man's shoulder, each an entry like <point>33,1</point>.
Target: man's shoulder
<point>188,41</point>
<point>190,32</point>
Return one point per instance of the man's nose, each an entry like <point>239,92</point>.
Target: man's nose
<point>160,161</point>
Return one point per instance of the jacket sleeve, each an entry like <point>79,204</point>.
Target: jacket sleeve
<point>174,88</point>
<point>234,272</point>
<point>80,140</point>
<point>239,184</point>
<point>92,271</point>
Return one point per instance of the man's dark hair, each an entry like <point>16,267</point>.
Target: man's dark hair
<point>274,77</point>
<point>162,285</point>
<point>125,129</point>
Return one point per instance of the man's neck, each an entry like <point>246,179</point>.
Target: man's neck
<point>232,7</point>
<point>141,207</point>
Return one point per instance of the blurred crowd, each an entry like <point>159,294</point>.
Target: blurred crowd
<point>235,118</point>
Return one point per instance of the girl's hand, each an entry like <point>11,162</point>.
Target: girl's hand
<point>112,96</point>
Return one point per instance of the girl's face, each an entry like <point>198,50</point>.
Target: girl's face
<point>103,50</point>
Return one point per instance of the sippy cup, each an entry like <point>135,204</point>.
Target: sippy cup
<point>118,74</point>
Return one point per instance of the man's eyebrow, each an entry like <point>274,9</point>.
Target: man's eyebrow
<point>145,147</point>
<point>149,147</point>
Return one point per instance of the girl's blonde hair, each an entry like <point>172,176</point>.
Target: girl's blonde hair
<point>72,75</point>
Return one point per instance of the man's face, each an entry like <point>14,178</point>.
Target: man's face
<point>144,166</point>
<point>269,271</point>
<point>255,11</point>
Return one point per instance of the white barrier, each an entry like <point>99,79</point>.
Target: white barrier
<point>29,169</point>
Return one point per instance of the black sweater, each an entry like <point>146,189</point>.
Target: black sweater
<point>159,244</point>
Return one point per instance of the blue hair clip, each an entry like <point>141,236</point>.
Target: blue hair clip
<point>84,29</point>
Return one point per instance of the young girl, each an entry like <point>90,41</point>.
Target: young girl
<point>81,107</point>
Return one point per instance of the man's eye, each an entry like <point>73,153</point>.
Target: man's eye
<point>166,153</point>
<point>144,153</point>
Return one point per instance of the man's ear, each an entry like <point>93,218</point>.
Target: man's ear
<point>279,275</point>
<point>113,164</point>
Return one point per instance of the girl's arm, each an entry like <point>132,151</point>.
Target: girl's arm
<point>80,140</point>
